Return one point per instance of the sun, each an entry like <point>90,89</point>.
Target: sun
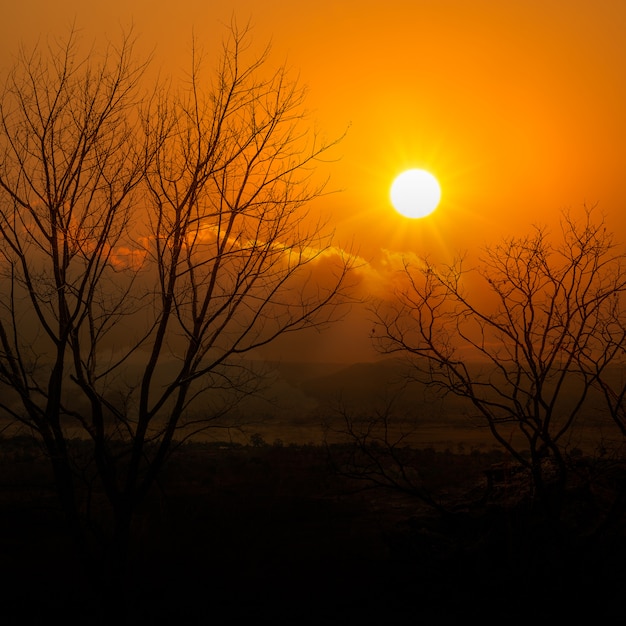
<point>415,193</point>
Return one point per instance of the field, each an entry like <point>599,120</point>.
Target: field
<point>262,527</point>
<point>249,534</point>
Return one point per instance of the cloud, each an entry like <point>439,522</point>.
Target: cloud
<point>385,275</point>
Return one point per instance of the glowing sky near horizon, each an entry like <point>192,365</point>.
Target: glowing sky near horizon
<point>516,107</point>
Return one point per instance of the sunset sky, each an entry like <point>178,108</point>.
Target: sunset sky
<point>516,106</point>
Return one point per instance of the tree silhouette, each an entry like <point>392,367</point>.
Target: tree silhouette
<point>70,164</point>
<point>525,345</point>
<point>149,243</point>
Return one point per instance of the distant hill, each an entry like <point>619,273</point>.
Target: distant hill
<point>359,387</point>
<point>358,383</point>
<point>297,372</point>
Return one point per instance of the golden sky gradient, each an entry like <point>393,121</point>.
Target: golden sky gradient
<point>517,107</point>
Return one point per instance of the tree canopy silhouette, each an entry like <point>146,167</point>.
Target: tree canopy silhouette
<point>526,346</point>
<point>150,239</point>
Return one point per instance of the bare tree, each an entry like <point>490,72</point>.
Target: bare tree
<point>518,345</point>
<point>147,320</point>
<point>69,169</point>
<point>608,368</point>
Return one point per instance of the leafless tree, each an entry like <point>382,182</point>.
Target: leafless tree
<point>608,368</point>
<point>70,165</point>
<point>525,345</point>
<point>129,330</point>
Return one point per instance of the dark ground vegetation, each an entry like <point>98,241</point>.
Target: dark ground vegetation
<point>271,534</point>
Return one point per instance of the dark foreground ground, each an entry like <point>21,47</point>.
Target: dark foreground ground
<point>272,535</point>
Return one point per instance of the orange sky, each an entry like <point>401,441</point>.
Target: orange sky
<point>517,107</point>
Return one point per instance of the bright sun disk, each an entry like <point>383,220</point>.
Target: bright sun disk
<point>415,193</point>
